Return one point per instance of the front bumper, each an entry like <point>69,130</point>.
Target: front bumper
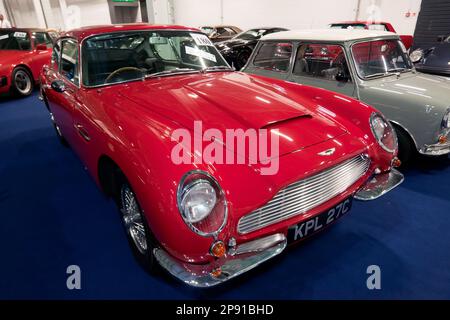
<point>379,185</point>
<point>437,149</point>
<point>238,261</point>
<point>249,255</point>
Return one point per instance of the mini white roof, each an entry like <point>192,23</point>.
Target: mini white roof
<point>327,35</point>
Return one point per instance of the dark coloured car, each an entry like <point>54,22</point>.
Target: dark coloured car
<point>435,60</point>
<point>238,49</point>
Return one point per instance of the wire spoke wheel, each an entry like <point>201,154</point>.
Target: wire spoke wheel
<point>132,218</point>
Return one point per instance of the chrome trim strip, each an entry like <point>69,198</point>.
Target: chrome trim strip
<point>251,255</point>
<point>304,195</point>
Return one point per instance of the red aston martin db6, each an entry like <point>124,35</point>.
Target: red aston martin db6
<point>23,52</point>
<point>173,135</point>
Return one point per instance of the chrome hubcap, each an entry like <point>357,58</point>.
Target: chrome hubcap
<point>132,219</point>
<point>22,81</point>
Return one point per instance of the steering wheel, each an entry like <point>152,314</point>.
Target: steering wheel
<point>120,70</point>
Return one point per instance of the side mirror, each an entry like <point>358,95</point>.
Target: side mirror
<point>342,77</point>
<point>41,47</point>
<point>441,38</point>
<point>58,86</point>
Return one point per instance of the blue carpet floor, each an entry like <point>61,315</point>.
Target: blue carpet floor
<point>52,215</point>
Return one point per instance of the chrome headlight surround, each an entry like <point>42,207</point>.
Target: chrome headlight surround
<point>200,183</point>
<point>382,131</point>
<point>416,55</point>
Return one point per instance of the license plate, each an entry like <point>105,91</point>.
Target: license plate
<point>309,227</point>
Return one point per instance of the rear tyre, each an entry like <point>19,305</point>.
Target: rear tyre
<point>139,236</point>
<point>22,82</point>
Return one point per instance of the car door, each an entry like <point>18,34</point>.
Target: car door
<point>324,66</point>
<point>63,78</point>
<point>272,59</point>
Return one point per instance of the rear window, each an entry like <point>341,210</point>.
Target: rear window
<point>14,40</point>
<point>274,56</point>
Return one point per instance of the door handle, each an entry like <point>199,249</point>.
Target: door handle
<point>83,133</point>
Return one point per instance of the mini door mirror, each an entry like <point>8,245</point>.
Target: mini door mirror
<point>58,86</point>
<point>41,47</point>
<point>342,77</point>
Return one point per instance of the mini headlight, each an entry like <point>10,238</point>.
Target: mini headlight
<point>384,133</point>
<point>202,203</point>
<point>416,55</point>
<point>446,120</point>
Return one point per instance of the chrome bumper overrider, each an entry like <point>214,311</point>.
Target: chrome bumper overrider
<point>379,185</point>
<point>436,149</point>
<point>238,261</point>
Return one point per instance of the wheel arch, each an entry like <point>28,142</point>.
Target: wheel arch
<point>399,126</point>
<point>26,67</point>
<point>109,174</point>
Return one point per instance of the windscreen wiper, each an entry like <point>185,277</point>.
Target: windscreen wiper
<point>171,72</point>
<point>217,68</point>
<point>374,75</point>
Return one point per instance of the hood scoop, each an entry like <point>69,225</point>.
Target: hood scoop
<point>280,122</point>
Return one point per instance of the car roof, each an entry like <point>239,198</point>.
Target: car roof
<point>25,29</point>
<point>328,35</point>
<point>84,32</point>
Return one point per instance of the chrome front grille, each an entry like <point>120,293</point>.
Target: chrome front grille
<point>306,194</point>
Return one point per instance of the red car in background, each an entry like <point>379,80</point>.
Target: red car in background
<point>23,52</point>
<point>206,222</point>
<point>373,25</point>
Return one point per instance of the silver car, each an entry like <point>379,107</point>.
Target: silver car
<point>371,66</point>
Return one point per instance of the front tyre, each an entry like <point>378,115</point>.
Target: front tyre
<point>406,148</point>
<point>22,83</point>
<point>138,233</point>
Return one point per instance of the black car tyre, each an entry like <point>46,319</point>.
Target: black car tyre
<point>22,82</point>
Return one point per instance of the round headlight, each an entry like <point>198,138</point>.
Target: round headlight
<point>197,201</point>
<point>202,203</point>
<point>416,55</point>
<point>384,133</point>
<point>446,120</point>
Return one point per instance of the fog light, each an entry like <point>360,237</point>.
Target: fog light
<point>216,273</point>
<point>396,162</point>
<point>218,249</point>
<point>443,139</point>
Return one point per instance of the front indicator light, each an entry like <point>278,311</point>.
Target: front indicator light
<point>443,139</point>
<point>216,273</point>
<point>396,162</point>
<point>218,249</point>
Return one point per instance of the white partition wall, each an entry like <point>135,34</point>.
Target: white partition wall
<point>295,14</point>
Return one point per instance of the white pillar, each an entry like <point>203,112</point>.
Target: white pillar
<point>39,14</point>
